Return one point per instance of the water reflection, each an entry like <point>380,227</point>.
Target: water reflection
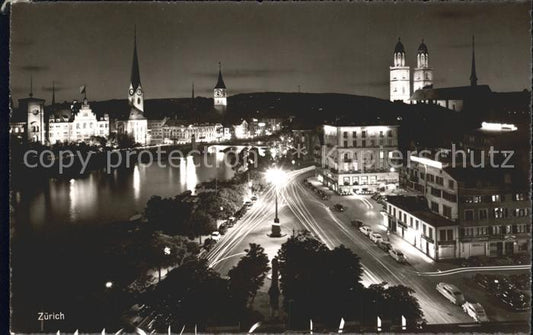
<point>136,182</point>
<point>101,198</point>
<point>192,178</point>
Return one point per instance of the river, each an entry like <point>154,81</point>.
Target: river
<point>99,197</point>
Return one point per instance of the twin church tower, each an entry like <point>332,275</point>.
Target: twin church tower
<point>400,74</point>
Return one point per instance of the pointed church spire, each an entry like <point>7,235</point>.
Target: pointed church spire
<point>220,82</point>
<point>135,76</point>
<point>473,76</point>
<point>31,86</point>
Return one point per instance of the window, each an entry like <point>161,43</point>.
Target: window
<point>345,144</point>
<point>447,211</point>
<point>451,184</point>
<point>448,196</point>
<point>496,198</point>
<point>436,192</point>
<point>411,222</point>
<point>430,232</point>
<point>476,199</point>
<point>442,235</point>
<point>439,180</point>
<point>469,215</point>
<point>499,213</point>
<point>520,212</point>
<point>389,133</point>
<point>363,143</point>
<point>422,175</point>
<point>354,134</point>
<point>519,197</point>
<point>434,206</point>
<point>363,134</point>
<point>372,143</point>
<point>381,134</point>
<point>483,214</point>
<point>449,234</point>
<point>345,134</point>
<point>431,178</point>
<point>416,224</point>
<point>495,230</point>
<point>423,229</point>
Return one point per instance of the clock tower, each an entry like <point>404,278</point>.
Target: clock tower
<point>35,126</point>
<point>220,93</point>
<point>135,93</point>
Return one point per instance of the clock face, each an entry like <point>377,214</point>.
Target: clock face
<point>35,111</point>
<point>139,91</point>
<point>131,91</point>
<point>218,93</point>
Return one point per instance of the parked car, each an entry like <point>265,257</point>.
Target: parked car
<point>397,255</point>
<point>375,237</point>
<point>248,204</point>
<point>452,293</point>
<point>222,229</point>
<point>475,311</point>
<point>356,223</point>
<point>215,235</point>
<point>254,198</point>
<point>385,245</point>
<point>516,300</point>
<point>365,230</point>
<point>338,207</point>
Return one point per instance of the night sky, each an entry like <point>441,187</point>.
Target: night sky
<point>323,47</point>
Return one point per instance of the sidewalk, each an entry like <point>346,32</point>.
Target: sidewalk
<point>364,208</point>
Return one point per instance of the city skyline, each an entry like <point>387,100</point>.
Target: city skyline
<point>193,38</point>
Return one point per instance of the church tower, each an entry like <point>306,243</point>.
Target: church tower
<point>137,125</point>
<point>136,94</point>
<point>35,126</point>
<point>400,82</point>
<point>220,93</point>
<point>423,74</point>
<point>473,76</point>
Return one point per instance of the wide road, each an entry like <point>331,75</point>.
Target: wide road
<point>300,209</point>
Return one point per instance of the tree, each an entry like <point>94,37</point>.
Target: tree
<point>274,292</point>
<point>202,224</point>
<point>192,294</point>
<point>316,282</point>
<point>249,274</point>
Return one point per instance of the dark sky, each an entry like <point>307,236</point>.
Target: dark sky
<point>324,47</point>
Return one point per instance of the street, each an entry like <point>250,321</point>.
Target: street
<point>301,209</point>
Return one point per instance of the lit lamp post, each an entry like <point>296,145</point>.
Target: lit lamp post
<point>277,178</point>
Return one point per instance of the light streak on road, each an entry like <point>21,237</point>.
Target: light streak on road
<point>475,269</point>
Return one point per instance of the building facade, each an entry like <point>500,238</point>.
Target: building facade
<point>77,127</point>
<point>359,159</point>
<point>179,132</point>
<point>491,206</point>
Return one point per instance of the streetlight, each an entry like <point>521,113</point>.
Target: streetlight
<point>109,284</point>
<point>276,177</point>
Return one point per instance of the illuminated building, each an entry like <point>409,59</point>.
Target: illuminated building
<point>220,94</point>
<point>490,206</point>
<point>400,80</point>
<point>423,74</point>
<point>359,158</point>
<point>65,126</point>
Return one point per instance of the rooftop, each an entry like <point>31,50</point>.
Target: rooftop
<point>417,206</point>
<point>451,93</point>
